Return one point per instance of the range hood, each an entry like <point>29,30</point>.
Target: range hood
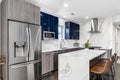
<point>94,26</point>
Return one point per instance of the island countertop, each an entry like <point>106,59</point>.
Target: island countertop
<point>86,53</point>
<point>75,65</point>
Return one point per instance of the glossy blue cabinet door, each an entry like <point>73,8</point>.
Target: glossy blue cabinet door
<point>50,23</point>
<point>77,31</point>
<point>67,30</point>
<point>44,21</point>
<point>55,27</point>
<point>71,30</point>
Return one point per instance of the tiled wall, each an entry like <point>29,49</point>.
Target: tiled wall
<point>50,45</point>
<point>103,39</point>
<point>106,37</point>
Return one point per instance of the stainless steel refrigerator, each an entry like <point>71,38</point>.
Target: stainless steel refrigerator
<point>24,50</point>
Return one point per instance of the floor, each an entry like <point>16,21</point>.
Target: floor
<point>54,76</point>
<point>117,72</point>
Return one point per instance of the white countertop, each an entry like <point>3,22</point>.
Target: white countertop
<point>75,65</point>
<point>86,53</point>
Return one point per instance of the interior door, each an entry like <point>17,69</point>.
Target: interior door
<point>35,42</point>
<point>18,42</point>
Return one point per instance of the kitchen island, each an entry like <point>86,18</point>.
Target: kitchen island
<point>75,65</point>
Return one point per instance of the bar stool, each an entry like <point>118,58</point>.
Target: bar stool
<point>114,59</point>
<point>102,70</point>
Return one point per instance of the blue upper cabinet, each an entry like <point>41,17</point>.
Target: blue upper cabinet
<point>71,30</point>
<point>67,30</point>
<point>55,27</point>
<point>49,23</point>
<point>44,21</point>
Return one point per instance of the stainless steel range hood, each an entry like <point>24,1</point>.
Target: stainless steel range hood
<point>94,26</point>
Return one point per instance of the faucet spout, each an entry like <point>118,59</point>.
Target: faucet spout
<point>62,43</point>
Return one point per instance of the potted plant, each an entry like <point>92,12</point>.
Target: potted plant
<point>87,44</point>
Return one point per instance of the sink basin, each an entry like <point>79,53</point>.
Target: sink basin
<point>64,48</point>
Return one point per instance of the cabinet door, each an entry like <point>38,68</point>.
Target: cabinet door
<point>47,62</point>
<point>51,61</point>
<point>44,70</point>
<point>44,21</point>
<point>77,31</point>
<point>50,23</point>
<point>72,30</point>
<point>31,13</point>
<point>36,14</point>
<point>28,9</point>
<point>67,30</point>
<point>55,27</point>
<point>16,9</point>
<point>23,11</point>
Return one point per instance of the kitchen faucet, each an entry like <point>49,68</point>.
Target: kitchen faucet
<point>62,43</point>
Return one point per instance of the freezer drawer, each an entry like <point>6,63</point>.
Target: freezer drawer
<point>24,71</point>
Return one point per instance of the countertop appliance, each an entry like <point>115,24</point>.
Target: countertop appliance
<point>48,35</point>
<point>24,50</point>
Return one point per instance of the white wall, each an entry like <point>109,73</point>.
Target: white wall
<point>51,45</point>
<point>103,39</point>
<point>106,37</point>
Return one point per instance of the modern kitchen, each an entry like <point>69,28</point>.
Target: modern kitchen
<point>59,40</point>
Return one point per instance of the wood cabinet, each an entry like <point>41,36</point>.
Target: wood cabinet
<point>23,11</point>
<point>49,23</point>
<point>47,62</point>
<point>71,30</point>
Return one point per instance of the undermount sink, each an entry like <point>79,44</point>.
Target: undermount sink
<point>64,48</point>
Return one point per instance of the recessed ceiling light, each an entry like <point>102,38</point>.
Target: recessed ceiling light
<point>64,16</point>
<point>72,14</point>
<point>65,4</point>
<point>86,17</point>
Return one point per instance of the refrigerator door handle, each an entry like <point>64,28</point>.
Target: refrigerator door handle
<point>27,37</point>
<point>19,65</point>
<point>30,48</point>
<point>24,64</point>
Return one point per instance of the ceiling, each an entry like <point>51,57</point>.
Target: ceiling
<point>80,8</point>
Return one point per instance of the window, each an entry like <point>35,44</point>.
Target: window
<point>60,32</point>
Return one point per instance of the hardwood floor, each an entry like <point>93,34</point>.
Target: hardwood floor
<point>51,76</point>
<point>117,77</point>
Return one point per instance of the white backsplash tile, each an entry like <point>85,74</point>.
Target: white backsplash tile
<point>51,45</point>
<point>103,39</point>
